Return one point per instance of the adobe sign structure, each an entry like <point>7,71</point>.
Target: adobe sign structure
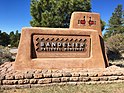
<point>80,46</point>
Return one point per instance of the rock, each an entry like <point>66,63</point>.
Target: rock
<point>38,75</point>
<point>45,81</point>
<point>10,82</point>
<point>44,71</point>
<point>83,74</point>
<point>100,74</point>
<point>103,78</point>
<point>38,71</point>
<point>113,68</point>
<point>56,80</point>
<point>107,73</point>
<point>67,74</point>
<point>28,75</point>
<point>56,75</point>
<point>119,73</point>
<point>112,78</point>
<point>74,79</point>
<point>25,81</point>
<point>2,77</point>
<point>92,74</point>
<point>9,77</point>
<point>94,78</point>
<point>75,74</point>
<point>56,71</point>
<point>85,79</point>
<point>8,65</point>
<point>47,75</point>
<point>5,82</point>
<point>65,79</point>
<point>33,81</point>
<point>121,77</point>
<point>19,76</point>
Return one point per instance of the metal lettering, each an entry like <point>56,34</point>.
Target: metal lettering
<point>59,44</point>
<point>48,44</point>
<point>53,44</point>
<point>64,45</point>
<point>42,44</point>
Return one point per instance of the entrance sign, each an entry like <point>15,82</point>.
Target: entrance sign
<point>79,46</point>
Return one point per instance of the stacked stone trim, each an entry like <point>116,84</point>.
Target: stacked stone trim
<point>9,78</point>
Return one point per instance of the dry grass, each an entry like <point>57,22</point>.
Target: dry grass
<point>119,63</point>
<point>98,88</point>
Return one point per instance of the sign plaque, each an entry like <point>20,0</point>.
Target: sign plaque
<point>56,46</point>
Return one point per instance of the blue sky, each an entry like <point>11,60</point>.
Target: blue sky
<point>15,14</point>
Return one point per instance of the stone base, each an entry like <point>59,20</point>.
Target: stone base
<point>10,78</point>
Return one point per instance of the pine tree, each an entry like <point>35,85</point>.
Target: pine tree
<point>17,35</point>
<point>4,39</point>
<point>14,38</point>
<point>0,37</point>
<point>103,23</point>
<point>56,13</point>
<point>116,24</point>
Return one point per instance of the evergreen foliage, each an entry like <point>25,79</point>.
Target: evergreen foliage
<point>103,23</point>
<point>114,36</point>
<point>14,39</point>
<point>116,23</point>
<point>56,13</point>
<point>9,39</point>
<point>4,39</point>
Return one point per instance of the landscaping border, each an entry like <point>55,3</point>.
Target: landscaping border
<point>10,78</point>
